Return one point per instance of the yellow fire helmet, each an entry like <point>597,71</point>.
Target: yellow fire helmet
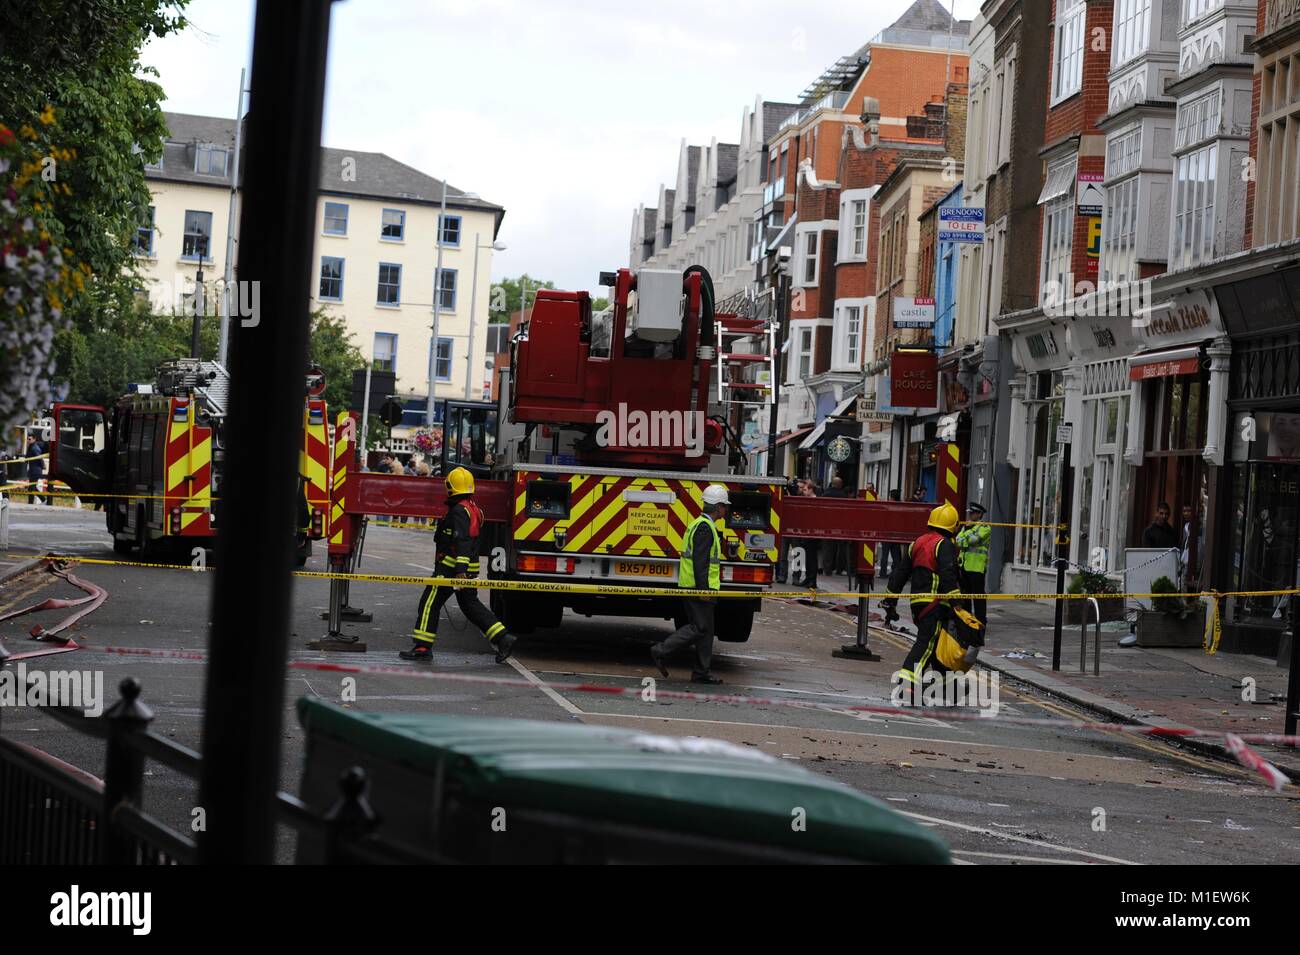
<point>460,481</point>
<point>944,518</point>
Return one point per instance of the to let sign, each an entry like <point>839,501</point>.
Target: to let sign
<point>914,379</point>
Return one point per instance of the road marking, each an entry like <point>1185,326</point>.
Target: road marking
<point>542,685</point>
<point>1021,839</point>
<point>1015,858</point>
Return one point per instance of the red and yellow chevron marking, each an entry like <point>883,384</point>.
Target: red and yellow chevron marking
<point>339,537</point>
<point>600,520</point>
<point>868,561</point>
<point>950,476</point>
<point>314,459</point>
<point>188,462</point>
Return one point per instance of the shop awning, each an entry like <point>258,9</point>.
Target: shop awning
<point>792,435</point>
<point>810,442</point>
<point>1164,364</point>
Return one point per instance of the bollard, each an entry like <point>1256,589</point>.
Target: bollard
<point>1083,639</point>
<point>123,770</point>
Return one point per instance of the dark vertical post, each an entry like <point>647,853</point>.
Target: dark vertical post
<point>196,322</point>
<point>123,770</point>
<point>778,366</point>
<point>1063,544</point>
<point>253,587</point>
<point>1293,678</point>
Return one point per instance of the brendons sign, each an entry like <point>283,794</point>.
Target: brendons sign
<point>914,379</point>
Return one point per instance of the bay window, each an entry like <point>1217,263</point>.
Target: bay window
<point>1067,49</point>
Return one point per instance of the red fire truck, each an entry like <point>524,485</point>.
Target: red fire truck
<point>594,462</point>
<point>155,458</point>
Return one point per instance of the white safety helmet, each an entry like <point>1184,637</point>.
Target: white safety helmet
<point>715,494</point>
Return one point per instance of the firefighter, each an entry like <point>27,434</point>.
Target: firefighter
<point>930,566</point>
<point>973,542</point>
<point>699,568</point>
<point>457,540</point>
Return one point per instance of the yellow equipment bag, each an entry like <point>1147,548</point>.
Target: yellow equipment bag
<point>960,652</point>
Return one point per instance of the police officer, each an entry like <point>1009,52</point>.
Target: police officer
<point>699,568</point>
<point>930,567</point>
<point>457,539</point>
<point>973,542</point>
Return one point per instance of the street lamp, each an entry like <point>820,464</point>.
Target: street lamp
<point>437,299</point>
<point>473,298</point>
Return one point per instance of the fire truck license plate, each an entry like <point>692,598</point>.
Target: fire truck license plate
<point>636,568</point>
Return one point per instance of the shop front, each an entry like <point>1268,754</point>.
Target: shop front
<point>1035,451</point>
<point>1261,495</point>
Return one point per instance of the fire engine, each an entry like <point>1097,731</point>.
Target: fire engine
<point>594,462</point>
<point>155,458</point>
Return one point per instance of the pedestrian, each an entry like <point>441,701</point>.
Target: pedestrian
<point>457,539</point>
<point>834,553</point>
<point>698,568</point>
<point>35,469</point>
<point>889,556</point>
<point>973,542</point>
<point>809,545</point>
<point>1160,533</point>
<point>930,568</point>
<point>918,495</point>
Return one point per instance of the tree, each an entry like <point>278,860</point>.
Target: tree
<point>507,292</point>
<point>599,304</point>
<point>332,347</point>
<point>101,360</point>
<point>81,58</point>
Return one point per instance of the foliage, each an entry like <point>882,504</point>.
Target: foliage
<point>100,359</point>
<point>1180,607</point>
<point>506,295</point>
<point>39,275</point>
<point>332,347</point>
<point>82,57</point>
<point>1092,582</point>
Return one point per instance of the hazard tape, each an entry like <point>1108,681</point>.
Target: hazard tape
<point>1237,744</point>
<point>623,591</point>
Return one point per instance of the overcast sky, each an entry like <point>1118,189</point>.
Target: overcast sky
<point>567,112</point>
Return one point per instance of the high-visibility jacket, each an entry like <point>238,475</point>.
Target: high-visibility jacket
<point>700,554</point>
<point>973,541</point>
<point>930,567</point>
<point>457,537</point>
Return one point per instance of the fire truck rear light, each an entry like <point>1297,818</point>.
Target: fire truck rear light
<point>176,520</point>
<point>543,564</point>
<point>317,522</point>
<point>747,575</point>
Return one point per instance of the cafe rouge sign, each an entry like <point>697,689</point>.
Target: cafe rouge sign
<point>914,379</point>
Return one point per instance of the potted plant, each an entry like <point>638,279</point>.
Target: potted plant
<point>1095,584</point>
<point>1172,621</point>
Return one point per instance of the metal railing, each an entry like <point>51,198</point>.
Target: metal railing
<point>52,813</point>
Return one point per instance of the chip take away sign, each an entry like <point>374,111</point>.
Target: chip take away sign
<point>914,379</point>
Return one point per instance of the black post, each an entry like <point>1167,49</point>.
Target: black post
<point>253,589</point>
<point>196,323</point>
<point>123,769</point>
<point>1063,544</point>
<point>1293,678</point>
<point>778,366</point>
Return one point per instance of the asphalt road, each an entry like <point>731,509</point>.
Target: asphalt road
<point>998,793</point>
